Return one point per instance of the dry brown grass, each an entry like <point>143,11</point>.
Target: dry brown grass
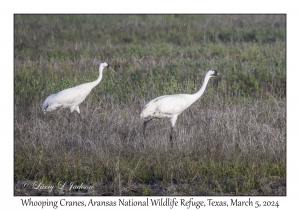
<point>108,146</point>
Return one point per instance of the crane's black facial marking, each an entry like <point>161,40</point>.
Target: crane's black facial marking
<point>215,73</point>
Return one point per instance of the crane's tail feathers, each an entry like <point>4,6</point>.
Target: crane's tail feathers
<point>44,107</point>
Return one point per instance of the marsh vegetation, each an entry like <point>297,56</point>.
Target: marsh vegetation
<point>230,142</point>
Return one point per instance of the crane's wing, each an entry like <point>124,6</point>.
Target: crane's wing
<point>165,106</point>
<point>64,98</point>
<point>72,95</point>
<point>173,104</point>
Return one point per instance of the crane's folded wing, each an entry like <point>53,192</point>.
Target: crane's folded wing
<point>165,106</point>
<point>69,96</point>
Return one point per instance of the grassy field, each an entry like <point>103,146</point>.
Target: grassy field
<point>230,142</point>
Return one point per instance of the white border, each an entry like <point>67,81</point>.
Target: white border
<point>10,8</point>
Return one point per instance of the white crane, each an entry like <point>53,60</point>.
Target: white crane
<point>170,106</point>
<point>72,97</point>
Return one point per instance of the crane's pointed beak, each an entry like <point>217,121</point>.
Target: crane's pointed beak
<point>109,67</point>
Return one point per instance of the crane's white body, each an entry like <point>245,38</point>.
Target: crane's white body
<point>72,97</point>
<point>170,106</point>
<point>164,107</point>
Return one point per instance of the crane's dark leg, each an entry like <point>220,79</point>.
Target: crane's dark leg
<point>144,127</point>
<point>69,117</point>
<point>171,136</point>
<point>144,134</point>
<point>80,117</point>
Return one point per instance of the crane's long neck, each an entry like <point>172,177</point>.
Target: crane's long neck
<point>197,95</point>
<point>96,82</point>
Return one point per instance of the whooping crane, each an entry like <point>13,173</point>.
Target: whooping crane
<point>72,97</point>
<point>170,106</point>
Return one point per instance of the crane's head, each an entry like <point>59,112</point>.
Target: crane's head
<point>104,64</point>
<point>212,73</point>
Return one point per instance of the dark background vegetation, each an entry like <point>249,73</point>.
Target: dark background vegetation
<point>230,142</point>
